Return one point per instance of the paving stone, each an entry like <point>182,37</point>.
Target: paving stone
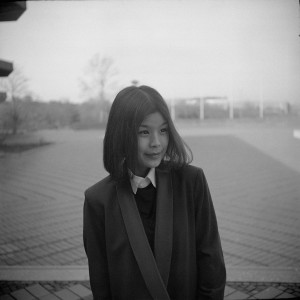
<point>47,286</point>
<point>285,296</point>
<point>37,290</point>
<point>22,294</point>
<point>80,290</point>
<point>296,294</point>
<point>72,290</point>
<point>66,295</point>
<point>228,290</point>
<point>90,297</point>
<point>268,293</point>
<point>236,295</point>
<point>49,297</point>
<point>87,284</point>
<point>6,297</point>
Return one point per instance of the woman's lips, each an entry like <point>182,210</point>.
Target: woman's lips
<point>153,155</point>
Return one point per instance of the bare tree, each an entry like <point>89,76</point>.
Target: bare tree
<point>15,86</point>
<point>100,77</point>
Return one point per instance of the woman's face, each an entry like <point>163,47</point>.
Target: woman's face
<point>153,140</point>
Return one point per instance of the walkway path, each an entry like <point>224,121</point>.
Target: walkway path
<point>254,177</point>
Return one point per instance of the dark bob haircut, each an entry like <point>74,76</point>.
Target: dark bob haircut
<point>130,107</point>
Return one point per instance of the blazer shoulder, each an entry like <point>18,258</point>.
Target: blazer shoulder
<point>190,172</point>
<point>100,189</point>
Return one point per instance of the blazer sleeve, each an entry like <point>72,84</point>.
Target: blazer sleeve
<point>210,261</point>
<point>95,248</point>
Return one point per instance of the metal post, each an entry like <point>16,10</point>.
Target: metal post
<point>201,107</point>
<point>261,99</point>
<point>231,112</point>
<point>173,115</point>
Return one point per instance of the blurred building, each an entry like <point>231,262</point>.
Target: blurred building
<point>10,11</point>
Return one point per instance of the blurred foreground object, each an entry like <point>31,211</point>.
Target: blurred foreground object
<point>5,68</point>
<point>3,96</point>
<point>11,10</point>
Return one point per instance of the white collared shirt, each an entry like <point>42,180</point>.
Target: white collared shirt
<point>140,182</point>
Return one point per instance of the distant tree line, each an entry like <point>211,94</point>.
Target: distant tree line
<point>34,115</point>
<point>20,111</point>
<point>27,114</point>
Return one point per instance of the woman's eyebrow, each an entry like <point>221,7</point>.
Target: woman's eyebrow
<point>146,126</point>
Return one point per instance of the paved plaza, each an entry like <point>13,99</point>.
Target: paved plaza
<point>254,176</point>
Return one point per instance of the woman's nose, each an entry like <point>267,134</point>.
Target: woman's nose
<point>155,141</point>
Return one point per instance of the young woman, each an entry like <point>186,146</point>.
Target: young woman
<point>150,229</point>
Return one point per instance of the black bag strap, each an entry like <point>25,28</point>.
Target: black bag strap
<point>140,244</point>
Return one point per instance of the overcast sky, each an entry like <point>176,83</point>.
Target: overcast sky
<point>241,48</point>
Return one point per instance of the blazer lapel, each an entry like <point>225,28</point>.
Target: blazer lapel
<point>139,242</point>
<point>164,223</point>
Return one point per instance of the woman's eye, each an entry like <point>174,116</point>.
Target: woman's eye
<point>164,130</point>
<point>143,132</point>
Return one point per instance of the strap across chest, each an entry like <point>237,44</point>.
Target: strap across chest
<point>155,270</point>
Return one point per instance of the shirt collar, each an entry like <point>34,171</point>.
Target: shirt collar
<point>140,182</point>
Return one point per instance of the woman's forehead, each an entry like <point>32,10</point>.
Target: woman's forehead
<point>153,120</point>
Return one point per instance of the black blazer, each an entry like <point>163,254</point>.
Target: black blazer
<point>188,261</point>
